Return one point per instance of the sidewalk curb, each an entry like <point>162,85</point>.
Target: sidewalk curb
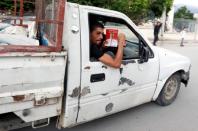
<point>173,40</point>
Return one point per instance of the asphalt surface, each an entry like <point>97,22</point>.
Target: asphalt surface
<point>182,115</point>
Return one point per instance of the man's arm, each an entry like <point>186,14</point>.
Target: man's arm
<point>117,61</point>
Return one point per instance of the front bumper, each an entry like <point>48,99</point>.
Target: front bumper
<point>186,77</point>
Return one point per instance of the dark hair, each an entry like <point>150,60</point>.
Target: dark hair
<point>94,25</point>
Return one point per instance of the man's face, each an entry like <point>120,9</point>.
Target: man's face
<point>96,35</point>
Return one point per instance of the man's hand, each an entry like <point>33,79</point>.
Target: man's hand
<point>122,39</point>
<point>117,61</point>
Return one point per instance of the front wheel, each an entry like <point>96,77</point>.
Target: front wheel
<point>169,91</point>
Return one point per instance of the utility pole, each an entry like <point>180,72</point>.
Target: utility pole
<point>21,11</point>
<point>163,22</point>
<point>196,26</point>
<point>15,10</point>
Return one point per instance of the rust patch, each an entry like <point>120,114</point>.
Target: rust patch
<point>124,80</point>
<point>26,112</point>
<point>19,98</point>
<point>3,86</point>
<point>58,111</point>
<point>105,67</point>
<point>75,92</point>
<point>104,94</point>
<point>123,90</point>
<point>28,55</point>
<point>40,102</point>
<point>15,68</point>
<point>109,107</point>
<point>85,91</point>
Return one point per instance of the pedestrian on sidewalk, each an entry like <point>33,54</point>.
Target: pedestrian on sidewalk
<point>183,34</point>
<point>157,26</point>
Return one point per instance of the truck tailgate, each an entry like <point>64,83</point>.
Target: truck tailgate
<point>32,82</point>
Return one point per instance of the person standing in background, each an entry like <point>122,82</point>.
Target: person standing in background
<point>157,26</point>
<point>183,34</point>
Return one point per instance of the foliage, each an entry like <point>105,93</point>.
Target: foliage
<point>9,5</point>
<point>184,13</point>
<point>6,4</point>
<point>158,6</point>
<point>137,10</point>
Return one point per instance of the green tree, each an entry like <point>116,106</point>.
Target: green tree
<point>9,5</point>
<point>135,9</point>
<point>184,13</point>
<point>6,4</point>
<point>158,6</point>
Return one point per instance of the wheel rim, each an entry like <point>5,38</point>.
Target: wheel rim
<point>171,88</point>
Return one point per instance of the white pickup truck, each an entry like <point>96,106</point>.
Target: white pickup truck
<point>70,86</point>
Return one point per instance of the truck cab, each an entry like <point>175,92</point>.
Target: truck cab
<point>72,86</point>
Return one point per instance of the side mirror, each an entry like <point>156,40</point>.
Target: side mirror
<point>144,54</point>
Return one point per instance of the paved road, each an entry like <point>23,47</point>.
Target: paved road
<point>182,115</point>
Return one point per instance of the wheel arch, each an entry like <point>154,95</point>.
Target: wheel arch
<point>161,83</point>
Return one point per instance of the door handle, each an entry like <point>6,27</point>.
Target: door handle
<point>97,77</point>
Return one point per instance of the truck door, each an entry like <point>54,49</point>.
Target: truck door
<point>105,90</point>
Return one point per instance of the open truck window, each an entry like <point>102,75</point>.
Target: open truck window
<point>131,51</point>
<point>133,41</point>
<point>37,29</point>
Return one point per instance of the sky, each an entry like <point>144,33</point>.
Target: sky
<point>192,5</point>
<point>187,2</point>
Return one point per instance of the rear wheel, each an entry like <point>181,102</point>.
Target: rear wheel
<point>169,91</point>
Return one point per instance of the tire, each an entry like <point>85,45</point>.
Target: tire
<point>170,91</point>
